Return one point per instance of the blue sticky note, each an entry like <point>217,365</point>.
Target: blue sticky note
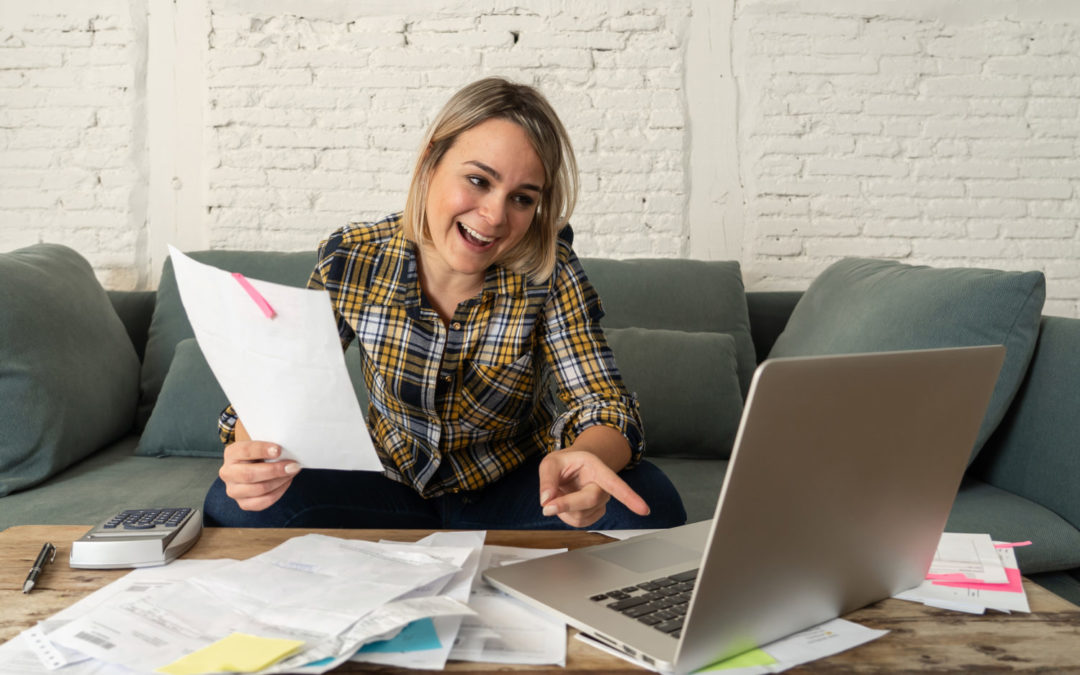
<point>417,636</point>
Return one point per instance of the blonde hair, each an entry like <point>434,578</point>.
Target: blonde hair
<point>493,98</point>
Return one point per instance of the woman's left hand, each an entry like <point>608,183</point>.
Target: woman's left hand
<point>575,485</point>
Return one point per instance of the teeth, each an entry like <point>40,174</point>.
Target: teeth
<point>476,235</point>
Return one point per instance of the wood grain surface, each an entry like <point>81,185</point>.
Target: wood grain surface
<point>921,639</point>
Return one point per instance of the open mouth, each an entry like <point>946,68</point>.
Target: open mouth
<point>473,237</point>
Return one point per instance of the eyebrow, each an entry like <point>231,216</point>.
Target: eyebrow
<point>498,176</point>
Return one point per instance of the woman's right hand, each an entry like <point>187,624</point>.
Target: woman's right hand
<point>252,481</point>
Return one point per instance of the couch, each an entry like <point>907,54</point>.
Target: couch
<point>685,333</point>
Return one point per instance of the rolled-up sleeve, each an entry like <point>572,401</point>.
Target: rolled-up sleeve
<point>586,377</point>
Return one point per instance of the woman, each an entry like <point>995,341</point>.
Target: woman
<point>467,307</point>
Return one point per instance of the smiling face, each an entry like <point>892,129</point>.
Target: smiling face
<point>481,200</point>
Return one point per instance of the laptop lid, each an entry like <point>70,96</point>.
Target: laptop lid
<point>842,477</point>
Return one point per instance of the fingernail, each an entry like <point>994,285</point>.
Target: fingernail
<point>544,496</point>
<point>274,451</point>
<point>550,510</point>
<point>292,468</point>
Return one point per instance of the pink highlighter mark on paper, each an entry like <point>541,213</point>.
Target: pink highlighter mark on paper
<point>255,295</point>
<point>1014,585</point>
<point>1013,544</point>
<point>955,576</point>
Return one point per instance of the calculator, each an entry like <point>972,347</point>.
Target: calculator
<point>137,538</point>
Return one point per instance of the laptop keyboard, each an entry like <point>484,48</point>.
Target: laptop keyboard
<point>660,603</point>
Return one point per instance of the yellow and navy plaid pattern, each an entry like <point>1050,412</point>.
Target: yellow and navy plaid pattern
<point>454,407</point>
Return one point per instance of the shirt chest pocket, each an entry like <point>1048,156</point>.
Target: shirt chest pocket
<point>497,395</point>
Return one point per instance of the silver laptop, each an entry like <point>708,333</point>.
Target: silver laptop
<point>840,482</point>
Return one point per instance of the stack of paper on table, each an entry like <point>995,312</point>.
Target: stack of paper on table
<point>305,606</point>
<point>971,573</point>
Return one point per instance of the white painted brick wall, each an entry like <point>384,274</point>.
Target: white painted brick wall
<point>315,121</point>
<point>67,101</point>
<point>893,132</point>
<point>943,132</point>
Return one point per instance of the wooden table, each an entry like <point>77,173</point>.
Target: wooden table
<point>921,639</point>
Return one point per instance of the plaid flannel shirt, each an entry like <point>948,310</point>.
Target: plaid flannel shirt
<point>453,408</point>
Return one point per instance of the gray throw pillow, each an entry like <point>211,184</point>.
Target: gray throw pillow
<point>677,294</point>
<point>687,386</point>
<point>184,420</point>
<point>861,305</point>
<point>69,375</point>
<point>169,324</point>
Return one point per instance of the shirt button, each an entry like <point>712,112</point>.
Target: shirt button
<point>456,325</point>
<point>447,378</point>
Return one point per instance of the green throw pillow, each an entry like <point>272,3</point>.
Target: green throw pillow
<point>69,375</point>
<point>861,305</point>
<point>676,294</point>
<point>687,386</point>
<point>169,324</point>
<point>184,420</point>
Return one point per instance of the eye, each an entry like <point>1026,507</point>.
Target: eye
<point>478,181</point>
<point>524,201</point>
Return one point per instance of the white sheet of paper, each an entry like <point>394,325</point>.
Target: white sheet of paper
<point>972,555</point>
<point>285,376</point>
<point>125,589</point>
<point>458,588</point>
<point>505,630</point>
<point>970,600</point>
<point>380,624</point>
<point>623,535</point>
<point>311,588</point>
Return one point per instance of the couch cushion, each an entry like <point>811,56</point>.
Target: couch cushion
<point>169,324</point>
<point>68,372</point>
<point>687,386</point>
<point>687,295</point>
<point>860,305</point>
<point>979,507</point>
<point>108,481</point>
<point>698,482</point>
<point>1035,452</point>
<point>184,420</point>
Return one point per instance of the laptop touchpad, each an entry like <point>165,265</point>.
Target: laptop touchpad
<point>647,555</point>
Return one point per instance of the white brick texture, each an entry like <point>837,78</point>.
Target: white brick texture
<point>315,121</point>
<point>67,121</point>
<point>893,132</point>
<point>942,132</point>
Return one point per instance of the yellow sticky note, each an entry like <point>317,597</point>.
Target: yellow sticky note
<point>237,653</point>
<point>754,657</point>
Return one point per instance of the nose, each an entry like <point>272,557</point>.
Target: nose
<point>493,208</point>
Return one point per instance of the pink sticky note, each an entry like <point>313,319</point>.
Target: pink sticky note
<point>1014,585</point>
<point>255,295</point>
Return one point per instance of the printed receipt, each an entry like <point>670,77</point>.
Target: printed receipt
<point>285,375</point>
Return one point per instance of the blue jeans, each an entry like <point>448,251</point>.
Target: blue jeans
<point>361,499</point>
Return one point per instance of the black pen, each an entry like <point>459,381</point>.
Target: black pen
<point>48,553</point>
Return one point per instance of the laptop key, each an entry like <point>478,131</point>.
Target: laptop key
<point>627,603</point>
<point>689,575</point>
<point>639,611</point>
<point>670,626</point>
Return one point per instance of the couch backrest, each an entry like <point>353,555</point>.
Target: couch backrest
<point>1035,451</point>
<point>135,309</point>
